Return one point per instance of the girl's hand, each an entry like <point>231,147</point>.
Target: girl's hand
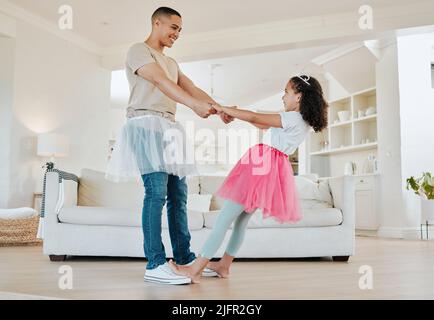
<point>218,108</point>
<point>226,117</point>
<point>223,115</point>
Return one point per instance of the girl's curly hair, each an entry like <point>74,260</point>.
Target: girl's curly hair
<point>313,107</point>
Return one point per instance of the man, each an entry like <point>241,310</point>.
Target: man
<point>156,85</point>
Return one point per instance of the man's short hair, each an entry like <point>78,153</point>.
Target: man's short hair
<point>164,11</point>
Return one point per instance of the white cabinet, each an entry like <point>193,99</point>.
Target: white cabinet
<point>366,200</point>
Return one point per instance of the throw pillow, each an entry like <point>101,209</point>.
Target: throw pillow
<point>199,202</point>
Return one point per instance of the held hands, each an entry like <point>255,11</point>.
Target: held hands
<point>226,118</point>
<point>204,110</point>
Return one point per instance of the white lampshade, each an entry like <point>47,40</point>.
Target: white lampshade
<point>52,145</point>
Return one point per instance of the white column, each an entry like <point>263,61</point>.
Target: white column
<point>389,143</point>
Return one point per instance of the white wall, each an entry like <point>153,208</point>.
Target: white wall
<point>335,89</point>
<point>7,49</point>
<point>417,115</point>
<point>273,103</point>
<point>58,87</point>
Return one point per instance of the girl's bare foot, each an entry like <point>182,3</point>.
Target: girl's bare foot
<point>218,267</point>
<point>187,271</point>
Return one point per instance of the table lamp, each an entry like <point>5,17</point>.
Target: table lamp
<point>52,145</point>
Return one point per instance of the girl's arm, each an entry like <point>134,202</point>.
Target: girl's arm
<point>260,126</point>
<point>260,120</point>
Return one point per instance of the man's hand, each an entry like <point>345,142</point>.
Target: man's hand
<point>204,110</point>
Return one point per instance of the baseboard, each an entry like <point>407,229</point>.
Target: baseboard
<point>366,233</point>
<point>405,233</point>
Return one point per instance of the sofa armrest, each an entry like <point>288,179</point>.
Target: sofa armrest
<point>343,191</point>
<point>60,189</point>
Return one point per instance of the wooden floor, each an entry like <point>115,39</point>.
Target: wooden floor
<point>402,269</point>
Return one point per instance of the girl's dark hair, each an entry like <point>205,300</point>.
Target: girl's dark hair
<point>313,107</point>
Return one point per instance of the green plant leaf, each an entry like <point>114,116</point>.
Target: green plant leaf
<point>422,186</point>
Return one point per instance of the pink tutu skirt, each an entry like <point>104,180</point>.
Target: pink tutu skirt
<point>263,178</point>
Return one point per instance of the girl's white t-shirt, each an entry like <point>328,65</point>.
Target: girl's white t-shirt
<point>290,136</point>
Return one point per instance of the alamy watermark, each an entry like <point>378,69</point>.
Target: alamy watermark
<point>66,280</point>
<point>366,21</point>
<point>366,281</point>
<point>66,20</point>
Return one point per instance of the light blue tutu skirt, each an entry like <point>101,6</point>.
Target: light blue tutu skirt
<point>149,144</point>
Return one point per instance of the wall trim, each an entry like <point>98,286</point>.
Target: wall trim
<point>408,233</point>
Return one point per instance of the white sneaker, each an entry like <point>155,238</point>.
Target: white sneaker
<point>163,274</point>
<point>207,272</point>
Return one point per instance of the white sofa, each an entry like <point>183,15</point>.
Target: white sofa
<point>96,217</point>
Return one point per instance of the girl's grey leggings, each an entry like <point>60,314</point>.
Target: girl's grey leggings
<point>230,212</point>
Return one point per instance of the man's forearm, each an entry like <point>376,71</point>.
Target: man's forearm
<point>200,95</point>
<point>176,93</point>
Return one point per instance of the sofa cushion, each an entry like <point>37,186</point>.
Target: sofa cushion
<point>95,191</point>
<point>193,184</point>
<point>308,189</point>
<point>199,202</point>
<point>324,217</point>
<point>119,217</point>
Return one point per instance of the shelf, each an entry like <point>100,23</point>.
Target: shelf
<point>372,117</point>
<point>341,136</point>
<point>360,147</point>
<point>338,124</point>
<point>349,140</point>
<point>366,92</point>
<point>366,118</point>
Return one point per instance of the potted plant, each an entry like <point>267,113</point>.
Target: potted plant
<point>424,187</point>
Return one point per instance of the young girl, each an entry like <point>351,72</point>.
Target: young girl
<point>263,177</point>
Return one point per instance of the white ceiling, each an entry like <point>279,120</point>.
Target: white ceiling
<point>116,22</point>
<point>240,80</point>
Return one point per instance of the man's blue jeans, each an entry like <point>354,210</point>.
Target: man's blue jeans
<point>158,187</point>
